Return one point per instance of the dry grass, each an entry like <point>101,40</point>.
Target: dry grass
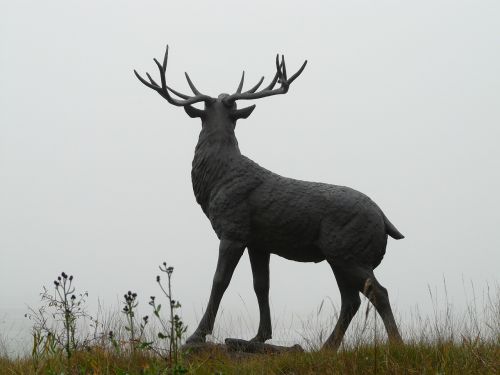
<point>442,358</point>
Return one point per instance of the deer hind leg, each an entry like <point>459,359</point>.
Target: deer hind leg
<point>379,297</point>
<point>230,253</point>
<point>350,303</point>
<point>259,261</point>
<point>363,280</point>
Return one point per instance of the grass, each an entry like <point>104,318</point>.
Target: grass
<point>444,343</point>
<point>415,358</point>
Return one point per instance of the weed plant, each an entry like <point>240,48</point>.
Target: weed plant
<point>135,339</point>
<point>55,322</point>
<point>173,329</point>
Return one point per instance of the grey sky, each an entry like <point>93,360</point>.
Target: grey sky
<point>400,100</point>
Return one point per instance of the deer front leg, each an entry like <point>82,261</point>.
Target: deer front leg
<point>230,253</point>
<point>259,261</point>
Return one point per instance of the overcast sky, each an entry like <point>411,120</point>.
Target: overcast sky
<point>400,100</point>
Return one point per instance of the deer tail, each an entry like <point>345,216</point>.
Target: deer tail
<point>391,230</point>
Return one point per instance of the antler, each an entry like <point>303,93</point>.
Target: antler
<point>280,77</point>
<point>163,90</point>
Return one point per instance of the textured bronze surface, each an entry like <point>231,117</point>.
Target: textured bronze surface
<point>253,208</point>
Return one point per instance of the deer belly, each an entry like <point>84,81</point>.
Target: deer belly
<point>299,254</point>
<point>298,245</point>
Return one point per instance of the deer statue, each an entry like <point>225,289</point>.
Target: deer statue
<point>253,208</point>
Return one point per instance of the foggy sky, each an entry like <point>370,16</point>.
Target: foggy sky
<point>399,100</point>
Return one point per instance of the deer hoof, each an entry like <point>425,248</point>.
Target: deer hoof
<point>196,338</point>
<point>260,338</point>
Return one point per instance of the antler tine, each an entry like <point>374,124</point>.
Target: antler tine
<point>191,85</point>
<point>162,74</point>
<point>278,66</point>
<point>179,94</point>
<point>165,58</point>
<point>151,80</point>
<point>148,84</point>
<point>253,89</point>
<point>298,73</point>
<point>240,86</point>
<point>283,67</point>
<point>275,79</point>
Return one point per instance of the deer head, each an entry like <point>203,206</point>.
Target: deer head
<point>220,111</point>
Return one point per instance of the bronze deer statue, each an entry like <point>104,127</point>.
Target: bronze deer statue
<point>253,208</point>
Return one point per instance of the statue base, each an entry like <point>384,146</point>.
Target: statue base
<point>241,346</point>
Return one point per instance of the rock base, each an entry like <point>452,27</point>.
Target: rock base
<point>241,346</point>
<point>238,345</point>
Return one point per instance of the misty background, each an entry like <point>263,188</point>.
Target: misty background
<point>399,100</point>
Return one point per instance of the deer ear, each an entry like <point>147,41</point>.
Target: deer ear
<point>243,112</point>
<point>193,112</point>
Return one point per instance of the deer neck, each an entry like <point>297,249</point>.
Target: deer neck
<point>216,151</point>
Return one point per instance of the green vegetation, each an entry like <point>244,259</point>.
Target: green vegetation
<point>123,343</point>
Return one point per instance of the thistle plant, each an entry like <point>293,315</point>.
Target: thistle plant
<point>63,306</point>
<point>131,303</point>
<point>129,311</point>
<point>173,329</point>
<point>67,303</point>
